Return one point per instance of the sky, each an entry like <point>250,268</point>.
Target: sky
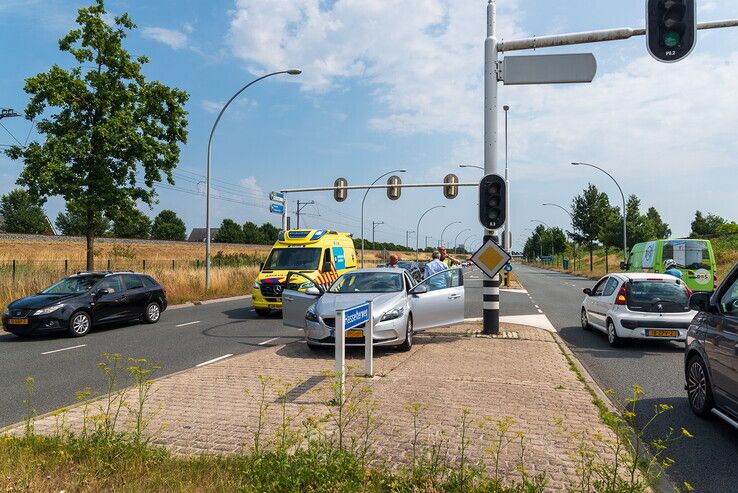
<point>398,84</point>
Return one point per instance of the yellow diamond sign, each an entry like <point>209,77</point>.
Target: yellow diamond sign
<point>490,258</point>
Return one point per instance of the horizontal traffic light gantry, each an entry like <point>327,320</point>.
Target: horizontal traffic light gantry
<point>492,192</point>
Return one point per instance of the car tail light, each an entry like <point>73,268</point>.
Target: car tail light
<point>621,299</point>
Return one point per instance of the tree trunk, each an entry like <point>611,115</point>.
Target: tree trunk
<point>591,261</point>
<point>90,239</point>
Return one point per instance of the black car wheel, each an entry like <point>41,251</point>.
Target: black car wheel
<point>585,320</point>
<point>263,312</point>
<point>80,324</point>
<point>315,347</point>
<point>153,313</point>
<point>407,345</point>
<point>699,390</point>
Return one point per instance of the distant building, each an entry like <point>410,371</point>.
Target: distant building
<point>198,234</point>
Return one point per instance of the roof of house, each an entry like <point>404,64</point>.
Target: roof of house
<point>198,234</point>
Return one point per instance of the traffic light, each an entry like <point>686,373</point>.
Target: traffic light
<point>451,189</point>
<point>671,29</point>
<point>492,201</point>
<point>393,193</point>
<point>340,193</point>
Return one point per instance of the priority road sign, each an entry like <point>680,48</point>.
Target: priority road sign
<point>490,258</point>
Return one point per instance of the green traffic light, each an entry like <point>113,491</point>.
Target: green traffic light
<point>671,39</point>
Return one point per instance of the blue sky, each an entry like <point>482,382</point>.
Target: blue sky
<point>398,84</point>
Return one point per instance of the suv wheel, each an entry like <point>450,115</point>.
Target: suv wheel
<point>612,335</point>
<point>699,390</point>
<point>407,345</point>
<point>585,320</point>
<point>153,313</point>
<point>79,324</point>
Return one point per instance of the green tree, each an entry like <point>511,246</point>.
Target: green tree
<point>270,233</point>
<point>590,209</point>
<point>611,233</point>
<point>659,228</point>
<point>229,232</point>
<point>731,227</point>
<point>75,221</point>
<point>705,225</point>
<point>22,214</point>
<point>168,226</point>
<point>253,235</point>
<point>131,224</point>
<point>100,120</point>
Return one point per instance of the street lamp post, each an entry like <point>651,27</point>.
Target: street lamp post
<point>207,186</point>
<point>440,242</point>
<point>573,228</point>
<point>456,240</point>
<point>362,208</point>
<point>417,230</point>
<point>625,227</point>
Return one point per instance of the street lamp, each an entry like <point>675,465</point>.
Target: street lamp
<point>456,240</point>
<point>362,209</point>
<point>444,230</point>
<point>625,227</point>
<point>471,166</point>
<point>293,71</point>
<point>417,230</point>
<point>573,228</point>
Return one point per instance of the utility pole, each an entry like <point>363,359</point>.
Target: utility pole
<point>300,207</point>
<point>426,241</point>
<point>374,227</point>
<point>407,238</point>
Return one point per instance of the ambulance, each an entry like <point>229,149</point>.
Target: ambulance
<point>319,254</point>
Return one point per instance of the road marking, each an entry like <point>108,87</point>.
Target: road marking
<point>64,349</point>
<point>214,360</point>
<point>540,311</point>
<point>188,323</point>
<point>262,343</point>
<point>536,306</point>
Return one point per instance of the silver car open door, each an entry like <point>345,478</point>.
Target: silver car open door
<point>299,293</point>
<point>438,300</point>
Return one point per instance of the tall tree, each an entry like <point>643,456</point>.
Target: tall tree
<point>101,120</point>
<point>252,234</point>
<point>705,225</point>
<point>659,228</point>
<point>270,232</point>
<point>611,233</point>
<point>75,221</point>
<point>229,232</point>
<point>168,226</point>
<point>22,213</point>
<point>589,210</point>
<point>131,223</point>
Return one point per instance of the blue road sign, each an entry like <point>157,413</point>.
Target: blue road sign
<point>276,208</point>
<point>508,267</point>
<point>276,197</point>
<point>355,316</point>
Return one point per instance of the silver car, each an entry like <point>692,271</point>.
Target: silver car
<point>638,305</point>
<point>401,307</point>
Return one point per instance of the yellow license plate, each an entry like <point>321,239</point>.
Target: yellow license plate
<point>352,334</point>
<point>18,321</point>
<point>663,333</point>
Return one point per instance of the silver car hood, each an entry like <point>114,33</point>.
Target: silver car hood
<point>327,305</point>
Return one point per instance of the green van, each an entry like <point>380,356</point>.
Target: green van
<point>694,258</point>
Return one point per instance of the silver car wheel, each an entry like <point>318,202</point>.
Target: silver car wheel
<point>585,321</point>
<point>697,386</point>
<point>611,333</point>
<point>153,312</point>
<point>81,323</point>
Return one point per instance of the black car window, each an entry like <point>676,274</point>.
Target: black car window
<point>73,285</point>
<point>599,287</point>
<point>729,299</point>
<point>132,282</point>
<point>111,282</point>
<point>612,283</point>
<point>148,282</point>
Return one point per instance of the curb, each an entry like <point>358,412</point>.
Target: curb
<point>189,304</point>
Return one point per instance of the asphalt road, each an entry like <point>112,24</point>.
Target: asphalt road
<point>706,461</point>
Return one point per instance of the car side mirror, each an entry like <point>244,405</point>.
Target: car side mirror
<point>102,292</point>
<point>587,291</point>
<point>623,266</point>
<point>700,302</point>
<point>313,291</point>
<point>420,289</point>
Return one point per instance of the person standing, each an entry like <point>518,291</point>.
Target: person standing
<point>447,259</point>
<point>434,266</point>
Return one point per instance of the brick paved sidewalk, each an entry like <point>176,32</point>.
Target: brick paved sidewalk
<point>526,379</point>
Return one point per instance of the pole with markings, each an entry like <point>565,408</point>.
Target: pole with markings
<point>369,342</point>
<point>340,344</point>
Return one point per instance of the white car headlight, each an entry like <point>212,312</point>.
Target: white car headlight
<point>47,310</point>
<point>256,285</point>
<point>6,312</point>
<point>393,314</point>
<point>311,315</point>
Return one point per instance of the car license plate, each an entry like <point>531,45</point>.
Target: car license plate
<point>275,307</point>
<point>353,334</point>
<point>18,321</point>
<point>663,333</point>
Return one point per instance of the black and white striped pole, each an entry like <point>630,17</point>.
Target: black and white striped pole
<point>491,299</point>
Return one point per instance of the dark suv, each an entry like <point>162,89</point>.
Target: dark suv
<point>78,302</point>
<point>711,356</point>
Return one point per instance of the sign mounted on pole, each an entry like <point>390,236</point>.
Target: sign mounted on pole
<point>490,258</point>
<point>548,69</point>
<point>276,208</point>
<point>276,197</point>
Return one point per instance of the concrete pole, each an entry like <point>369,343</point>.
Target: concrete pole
<point>490,287</point>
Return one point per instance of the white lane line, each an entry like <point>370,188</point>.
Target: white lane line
<point>540,311</point>
<point>64,349</point>
<point>536,306</point>
<point>188,323</point>
<point>214,360</point>
<point>262,343</point>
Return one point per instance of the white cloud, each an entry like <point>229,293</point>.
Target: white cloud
<point>170,37</point>
<point>253,188</point>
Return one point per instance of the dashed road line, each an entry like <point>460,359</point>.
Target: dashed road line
<point>65,349</point>
<point>264,343</point>
<point>188,323</point>
<point>214,360</point>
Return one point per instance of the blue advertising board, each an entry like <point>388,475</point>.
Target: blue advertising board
<point>355,316</point>
<point>276,208</point>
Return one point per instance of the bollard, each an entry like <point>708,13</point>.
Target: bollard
<point>369,342</point>
<point>340,346</point>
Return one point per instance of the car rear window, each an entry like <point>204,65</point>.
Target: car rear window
<point>149,282</point>
<point>133,282</point>
<point>657,296</point>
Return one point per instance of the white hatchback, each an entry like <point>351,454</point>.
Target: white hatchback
<point>638,305</point>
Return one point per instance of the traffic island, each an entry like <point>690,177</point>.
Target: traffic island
<point>507,407</point>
